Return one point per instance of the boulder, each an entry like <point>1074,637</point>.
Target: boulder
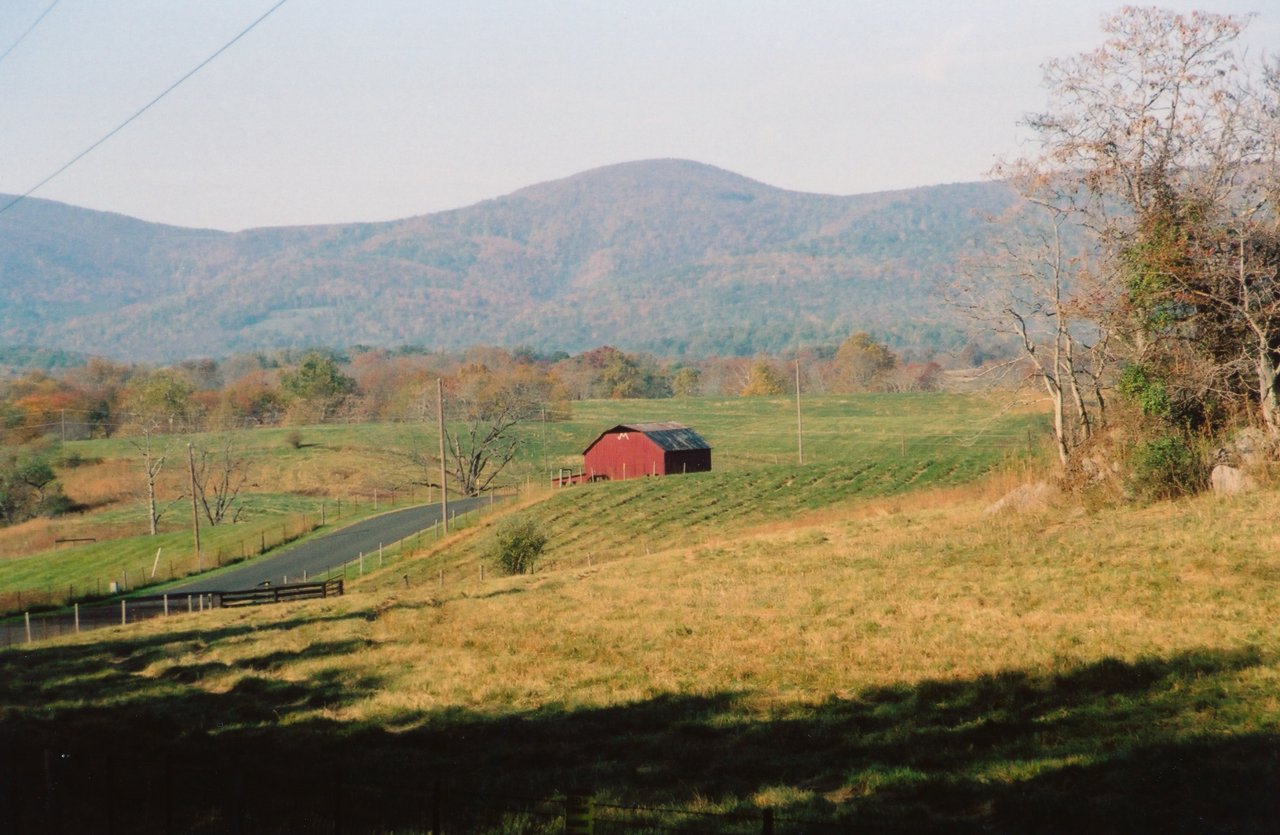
<point>1025,497</point>
<point>1247,448</point>
<point>1226,480</point>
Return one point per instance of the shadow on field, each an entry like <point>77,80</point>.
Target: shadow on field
<point>1105,747</point>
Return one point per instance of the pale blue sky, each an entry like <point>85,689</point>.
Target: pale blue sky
<point>334,110</point>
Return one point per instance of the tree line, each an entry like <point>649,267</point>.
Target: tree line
<point>486,392</point>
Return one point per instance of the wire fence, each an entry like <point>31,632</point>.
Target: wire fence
<point>231,544</point>
<point>127,610</point>
<point>98,613</point>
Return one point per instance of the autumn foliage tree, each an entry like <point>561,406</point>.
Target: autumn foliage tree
<point>1160,149</point>
<point>316,388</point>
<point>764,379</point>
<point>861,363</point>
<point>28,486</point>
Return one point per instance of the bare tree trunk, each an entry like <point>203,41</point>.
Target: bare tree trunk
<point>152,464</point>
<point>151,505</point>
<point>1268,379</point>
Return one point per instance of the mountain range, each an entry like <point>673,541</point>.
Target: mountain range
<point>668,256</point>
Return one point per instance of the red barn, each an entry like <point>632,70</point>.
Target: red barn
<point>645,449</point>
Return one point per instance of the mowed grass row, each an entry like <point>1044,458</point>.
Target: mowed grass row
<point>907,663</point>
<point>848,461</point>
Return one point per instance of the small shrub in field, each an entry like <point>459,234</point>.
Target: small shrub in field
<point>294,439</point>
<point>517,545</point>
<point>1166,467</point>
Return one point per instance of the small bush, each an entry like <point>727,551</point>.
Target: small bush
<point>1166,467</point>
<point>517,545</point>
<point>294,439</point>
<point>1146,391</point>
<point>75,459</point>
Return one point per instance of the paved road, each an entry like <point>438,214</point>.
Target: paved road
<point>329,551</point>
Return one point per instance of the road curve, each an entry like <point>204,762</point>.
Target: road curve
<point>317,555</point>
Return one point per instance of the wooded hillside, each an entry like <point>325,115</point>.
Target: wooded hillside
<point>667,256</point>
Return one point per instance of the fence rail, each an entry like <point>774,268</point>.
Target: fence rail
<point>279,594</point>
<point>134,609</point>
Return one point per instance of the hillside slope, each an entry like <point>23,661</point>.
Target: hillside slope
<point>904,665</point>
<point>670,256</point>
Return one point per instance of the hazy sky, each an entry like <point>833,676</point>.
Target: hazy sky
<point>337,110</point>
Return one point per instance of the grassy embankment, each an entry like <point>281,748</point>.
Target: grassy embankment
<point>905,662</point>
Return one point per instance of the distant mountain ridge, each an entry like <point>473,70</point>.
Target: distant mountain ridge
<point>669,256</point>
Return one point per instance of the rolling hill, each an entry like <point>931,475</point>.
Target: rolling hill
<point>669,256</point>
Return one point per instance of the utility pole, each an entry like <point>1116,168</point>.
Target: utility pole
<point>799,424</point>
<point>195,509</point>
<point>444,487</point>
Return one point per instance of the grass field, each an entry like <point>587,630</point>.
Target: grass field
<point>882,442</point>
<point>856,645</point>
<point>906,663</point>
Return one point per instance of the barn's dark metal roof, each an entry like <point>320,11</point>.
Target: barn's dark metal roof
<point>672,437</point>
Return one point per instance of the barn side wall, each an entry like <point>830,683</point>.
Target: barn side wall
<point>620,455</point>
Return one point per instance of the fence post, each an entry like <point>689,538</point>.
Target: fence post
<point>166,604</point>
<point>77,609</point>
<point>578,814</point>
<point>766,822</point>
<point>124,616</point>
<point>27,617</point>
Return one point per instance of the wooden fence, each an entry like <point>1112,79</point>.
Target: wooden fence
<point>279,594</point>
<point>133,609</point>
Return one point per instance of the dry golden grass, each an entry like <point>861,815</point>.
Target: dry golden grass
<point>889,591</point>
<point>875,658</point>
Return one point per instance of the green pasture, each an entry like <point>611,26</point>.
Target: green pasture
<point>853,445</point>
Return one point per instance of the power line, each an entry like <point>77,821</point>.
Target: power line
<point>23,36</point>
<point>15,201</point>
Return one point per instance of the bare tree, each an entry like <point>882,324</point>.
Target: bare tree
<point>154,403</point>
<point>1035,291</point>
<point>483,408</point>
<point>1146,116</point>
<point>153,455</point>
<point>219,476</point>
